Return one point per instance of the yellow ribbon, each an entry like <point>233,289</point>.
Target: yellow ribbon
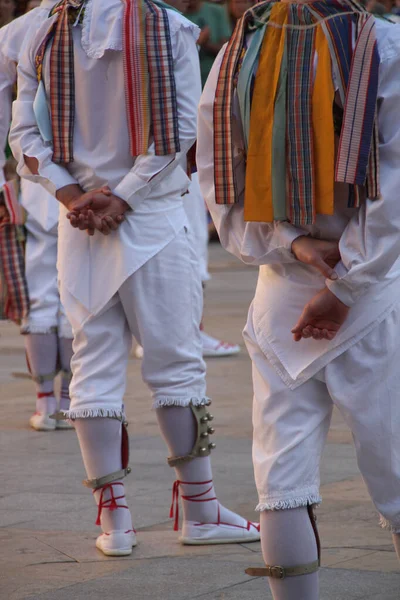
<point>323,128</point>
<point>258,205</point>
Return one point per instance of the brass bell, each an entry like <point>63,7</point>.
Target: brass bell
<point>210,416</point>
<point>211,430</point>
<point>204,419</point>
<point>202,450</point>
<point>204,434</point>
<point>129,470</point>
<point>212,446</point>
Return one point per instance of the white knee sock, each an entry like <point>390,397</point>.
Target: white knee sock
<point>396,542</point>
<point>100,442</point>
<point>65,353</point>
<point>41,351</point>
<point>288,540</point>
<point>178,427</point>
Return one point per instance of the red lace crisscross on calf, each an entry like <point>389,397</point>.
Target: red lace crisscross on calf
<point>174,512</point>
<point>193,498</point>
<point>111,503</point>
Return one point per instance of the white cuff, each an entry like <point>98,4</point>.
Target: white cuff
<point>132,189</point>
<point>288,233</point>
<point>341,289</point>
<point>52,177</point>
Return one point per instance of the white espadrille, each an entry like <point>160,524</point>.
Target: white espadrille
<point>202,534</point>
<point>213,348</point>
<point>42,422</point>
<point>116,543</point>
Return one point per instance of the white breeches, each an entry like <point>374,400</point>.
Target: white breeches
<point>290,426</point>
<point>161,306</point>
<point>196,213</point>
<point>46,311</point>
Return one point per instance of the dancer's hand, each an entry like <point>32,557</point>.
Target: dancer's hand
<point>322,317</point>
<point>321,254</point>
<point>98,210</point>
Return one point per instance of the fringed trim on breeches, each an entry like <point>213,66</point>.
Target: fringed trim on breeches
<point>296,502</point>
<point>42,329</point>
<point>385,524</point>
<point>89,413</point>
<point>183,402</point>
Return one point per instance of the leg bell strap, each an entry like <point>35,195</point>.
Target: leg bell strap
<point>40,379</point>
<point>66,374</point>
<point>202,446</point>
<point>277,572</point>
<point>100,482</point>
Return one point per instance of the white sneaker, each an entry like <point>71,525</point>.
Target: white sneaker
<point>42,422</point>
<point>116,543</point>
<point>199,534</point>
<point>214,348</point>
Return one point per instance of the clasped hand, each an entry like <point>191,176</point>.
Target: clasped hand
<point>97,210</point>
<point>323,316</point>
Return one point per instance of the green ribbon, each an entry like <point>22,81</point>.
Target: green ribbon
<point>279,145</point>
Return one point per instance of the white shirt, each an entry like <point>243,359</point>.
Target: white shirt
<point>41,205</point>
<point>93,268</point>
<point>369,272</point>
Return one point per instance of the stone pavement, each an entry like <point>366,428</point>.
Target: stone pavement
<point>47,518</point>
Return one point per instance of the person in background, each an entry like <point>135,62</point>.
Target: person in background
<point>7,11</point>
<point>47,332</point>
<point>323,328</point>
<point>236,9</point>
<point>215,31</point>
<point>196,213</point>
<point>132,276</point>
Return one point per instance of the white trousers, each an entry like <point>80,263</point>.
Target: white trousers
<point>290,426</point>
<point>161,306</point>
<point>46,311</point>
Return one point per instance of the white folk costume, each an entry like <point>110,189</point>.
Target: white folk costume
<point>48,333</point>
<point>143,279</point>
<point>266,159</point>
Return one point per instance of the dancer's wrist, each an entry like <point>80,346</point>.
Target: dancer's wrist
<point>68,194</point>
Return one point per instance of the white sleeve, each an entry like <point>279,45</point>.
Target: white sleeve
<point>370,244</point>
<point>149,170</point>
<point>253,243</point>
<point>25,137</point>
<point>8,77</point>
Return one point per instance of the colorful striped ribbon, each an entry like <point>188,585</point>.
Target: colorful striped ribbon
<point>320,37</point>
<point>148,67</point>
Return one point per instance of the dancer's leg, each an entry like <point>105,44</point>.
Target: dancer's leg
<point>290,428</point>
<point>41,353</point>
<point>370,406</point>
<point>101,350</point>
<point>164,299</point>
<point>288,540</point>
<point>179,429</point>
<point>100,443</point>
<point>41,324</point>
